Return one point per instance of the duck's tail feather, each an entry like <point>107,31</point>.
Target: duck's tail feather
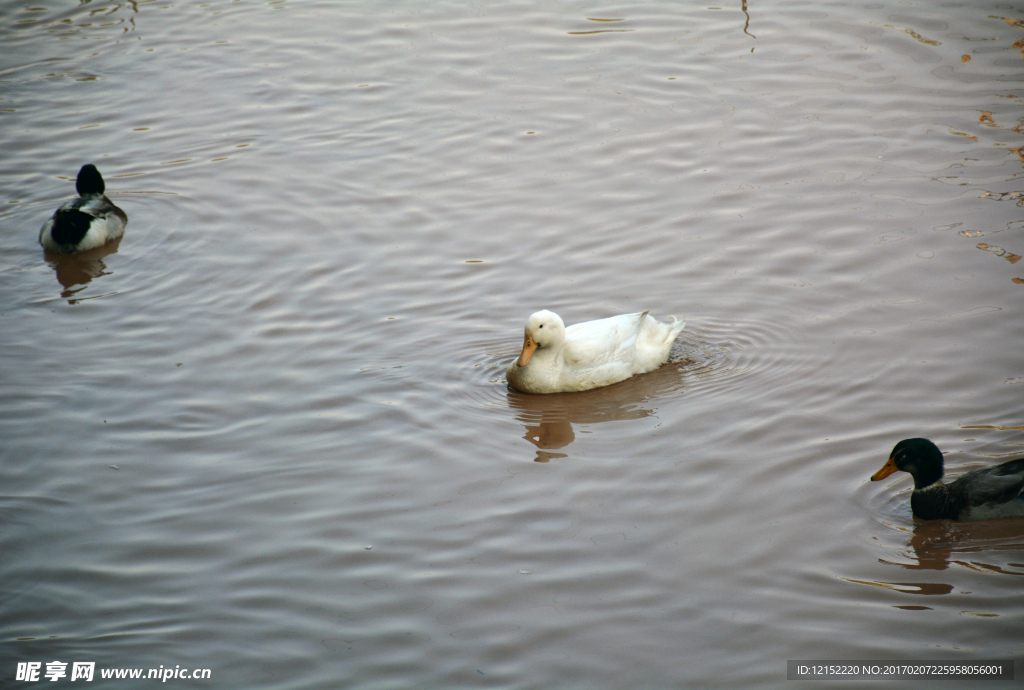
<point>675,328</point>
<point>640,322</point>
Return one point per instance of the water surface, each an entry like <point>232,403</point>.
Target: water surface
<point>268,432</point>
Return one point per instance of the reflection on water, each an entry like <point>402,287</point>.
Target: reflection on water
<point>926,588</point>
<point>936,544</point>
<point>75,271</point>
<point>549,419</point>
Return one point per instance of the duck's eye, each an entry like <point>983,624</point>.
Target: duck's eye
<point>542,325</point>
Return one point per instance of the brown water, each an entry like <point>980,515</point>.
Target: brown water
<point>341,216</point>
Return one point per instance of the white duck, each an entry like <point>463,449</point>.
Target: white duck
<point>557,359</point>
<point>84,223</point>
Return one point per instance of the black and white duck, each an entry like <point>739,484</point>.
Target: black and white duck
<point>85,223</point>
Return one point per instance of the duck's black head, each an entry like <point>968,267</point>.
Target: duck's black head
<point>89,181</point>
<point>918,456</point>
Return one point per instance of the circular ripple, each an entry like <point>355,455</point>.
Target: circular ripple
<point>709,358</point>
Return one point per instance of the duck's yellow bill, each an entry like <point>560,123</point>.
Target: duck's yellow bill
<point>887,469</point>
<point>528,348</point>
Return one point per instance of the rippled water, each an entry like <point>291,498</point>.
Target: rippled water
<point>268,433</point>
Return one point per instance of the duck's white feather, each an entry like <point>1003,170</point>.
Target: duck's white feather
<point>107,224</point>
<point>591,354</point>
<point>85,223</point>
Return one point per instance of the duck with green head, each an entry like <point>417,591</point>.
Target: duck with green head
<point>989,492</point>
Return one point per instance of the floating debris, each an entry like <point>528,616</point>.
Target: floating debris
<point>916,36</point>
<point>965,135</point>
<point>999,251</point>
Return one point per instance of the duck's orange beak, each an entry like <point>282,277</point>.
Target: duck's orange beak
<point>528,347</point>
<point>888,468</point>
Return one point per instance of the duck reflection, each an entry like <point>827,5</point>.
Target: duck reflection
<point>549,418</point>
<point>938,543</point>
<point>75,271</point>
